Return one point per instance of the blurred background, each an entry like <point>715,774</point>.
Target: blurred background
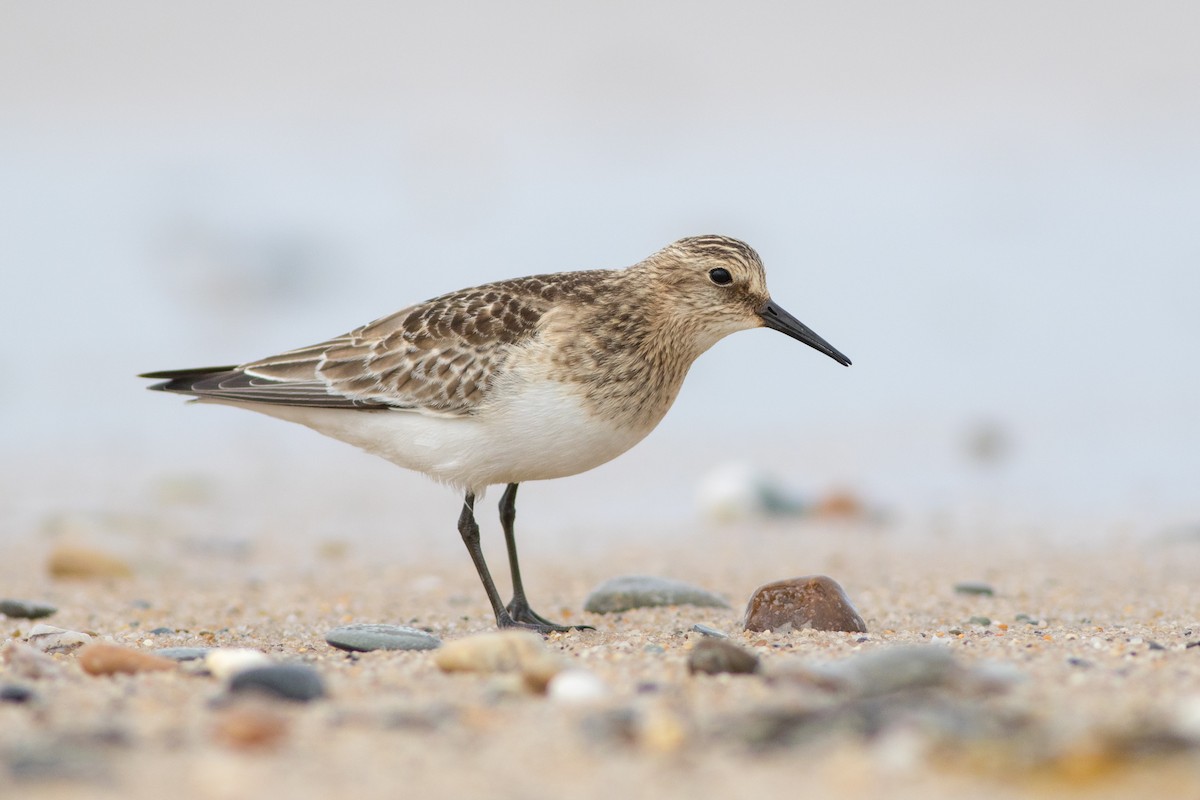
<point>991,208</point>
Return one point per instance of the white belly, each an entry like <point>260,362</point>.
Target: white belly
<point>542,431</point>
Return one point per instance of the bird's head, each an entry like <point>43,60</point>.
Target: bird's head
<point>715,286</point>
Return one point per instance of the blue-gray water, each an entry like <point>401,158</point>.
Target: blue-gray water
<point>991,209</point>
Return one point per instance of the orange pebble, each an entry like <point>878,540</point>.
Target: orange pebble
<point>102,658</point>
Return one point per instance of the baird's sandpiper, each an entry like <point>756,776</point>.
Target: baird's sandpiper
<point>520,380</point>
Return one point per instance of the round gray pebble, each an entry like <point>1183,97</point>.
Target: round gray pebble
<point>644,591</point>
<point>25,609</point>
<point>363,637</point>
<point>286,681</point>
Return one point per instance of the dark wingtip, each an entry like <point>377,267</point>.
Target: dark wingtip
<point>197,372</point>
<point>181,380</point>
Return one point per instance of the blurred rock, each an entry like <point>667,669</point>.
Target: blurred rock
<point>250,726</point>
<point>840,505</point>
<point>814,601</point>
<point>716,656</point>
<point>183,653</point>
<point>184,490</point>
<point>50,639</point>
<point>738,491</point>
<point>45,762</point>
<point>518,651</point>
<point>26,661</point>
<point>576,686</point>
<point>25,609</point>
<point>72,561</point>
<point>101,658</point>
<point>974,587</point>
<point>298,682</point>
<point>15,693</point>
<point>987,443</point>
<point>365,637</point>
<point>642,591</point>
<point>227,662</point>
<point>333,549</point>
<point>893,669</point>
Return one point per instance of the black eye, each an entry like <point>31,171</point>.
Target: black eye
<point>720,277</point>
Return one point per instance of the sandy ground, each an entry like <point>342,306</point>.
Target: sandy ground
<point>1095,691</point>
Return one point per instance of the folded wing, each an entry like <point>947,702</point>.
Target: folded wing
<point>437,357</point>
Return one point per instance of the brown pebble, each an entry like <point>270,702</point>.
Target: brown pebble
<point>101,658</point>
<point>812,601</point>
<point>71,561</point>
<point>714,656</point>
<point>840,505</point>
<point>250,726</point>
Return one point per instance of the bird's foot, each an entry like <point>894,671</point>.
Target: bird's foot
<point>520,615</point>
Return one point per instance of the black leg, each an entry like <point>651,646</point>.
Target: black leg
<point>519,608</point>
<point>469,529</point>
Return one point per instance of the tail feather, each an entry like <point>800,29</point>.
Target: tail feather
<point>232,384</point>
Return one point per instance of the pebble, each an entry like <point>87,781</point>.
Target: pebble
<point>365,637</point>
<point>15,693</point>
<point>576,686</point>
<point>738,490</point>
<point>644,591</point>
<point>716,656</point>
<point>25,661</point>
<point>183,653</point>
<point>50,639</point>
<point>812,601</point>
<point>71,561</point>
<point>102,658</point>
<point>298,682</point>
<point>840,505</point>
<point>707,631</point>
<point>250,726</point>
<point>227,662</point>
<point>25,609</point>
<point>886,671</point>
<point>974,587</point>
<point>984,621</point>
<point>518,651</point>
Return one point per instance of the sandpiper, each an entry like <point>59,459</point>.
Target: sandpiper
<point>519,380</point>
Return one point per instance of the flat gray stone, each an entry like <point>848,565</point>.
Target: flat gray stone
<point>363,637</point>
<point>183,653</point>
<point>25,609</point>
<point>704,630</point>
<point>644,591</point>
<point>895,669</point>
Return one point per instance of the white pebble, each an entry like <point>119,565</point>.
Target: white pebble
<point>576,686</point>
<point>50,639</point>
<point>225,663</point>
<point>1187,717</point>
